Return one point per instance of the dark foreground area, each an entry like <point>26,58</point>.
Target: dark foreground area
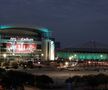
<point>18,80</point>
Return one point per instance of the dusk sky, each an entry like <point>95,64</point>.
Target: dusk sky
<point>72,22</point>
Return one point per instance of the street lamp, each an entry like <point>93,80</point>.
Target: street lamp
<point>4,55</point>
<point>42,54</point>
<point>70,58</point>
<point>13,54</point>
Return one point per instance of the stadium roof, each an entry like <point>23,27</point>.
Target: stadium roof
<point>12,30</point>
<point>89,47</point>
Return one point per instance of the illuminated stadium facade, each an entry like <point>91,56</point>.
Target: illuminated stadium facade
<point>21,43</point>
<point>83,54</point>
<point>89,51</point>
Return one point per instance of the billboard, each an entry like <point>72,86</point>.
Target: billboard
<point>21,46</point>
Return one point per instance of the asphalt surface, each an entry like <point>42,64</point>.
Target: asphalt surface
<point>59,76</point>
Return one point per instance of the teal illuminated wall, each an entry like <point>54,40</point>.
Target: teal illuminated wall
<point>47,33</point>
<point>4,26</point>
<point>83,56</point>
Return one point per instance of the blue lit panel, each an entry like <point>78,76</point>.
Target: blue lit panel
<point>4,27</point>
<point>44,30</point>
<point>47,33</point>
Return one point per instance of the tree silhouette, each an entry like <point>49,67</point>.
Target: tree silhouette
<point>43,81</point>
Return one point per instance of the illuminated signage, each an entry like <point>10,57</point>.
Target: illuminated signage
<point>21,47</point>
<point>21,39</point>
<point>18,45</point>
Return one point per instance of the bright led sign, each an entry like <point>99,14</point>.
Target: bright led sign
<point>21,45</point>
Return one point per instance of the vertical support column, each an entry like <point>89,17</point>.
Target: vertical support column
<point>51,50</point>
<point>45,49</point>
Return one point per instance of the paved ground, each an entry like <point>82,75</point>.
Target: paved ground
<point>59,76</point>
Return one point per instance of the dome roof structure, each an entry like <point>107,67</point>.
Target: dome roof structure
<point>22,31</point>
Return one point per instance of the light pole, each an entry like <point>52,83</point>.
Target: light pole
<point>42,55</point>
<point>4,55</point>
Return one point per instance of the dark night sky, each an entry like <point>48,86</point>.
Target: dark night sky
<point>72,22</point>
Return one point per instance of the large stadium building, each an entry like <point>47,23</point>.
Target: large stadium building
<point>22,43</point>
<point>90,52</point>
